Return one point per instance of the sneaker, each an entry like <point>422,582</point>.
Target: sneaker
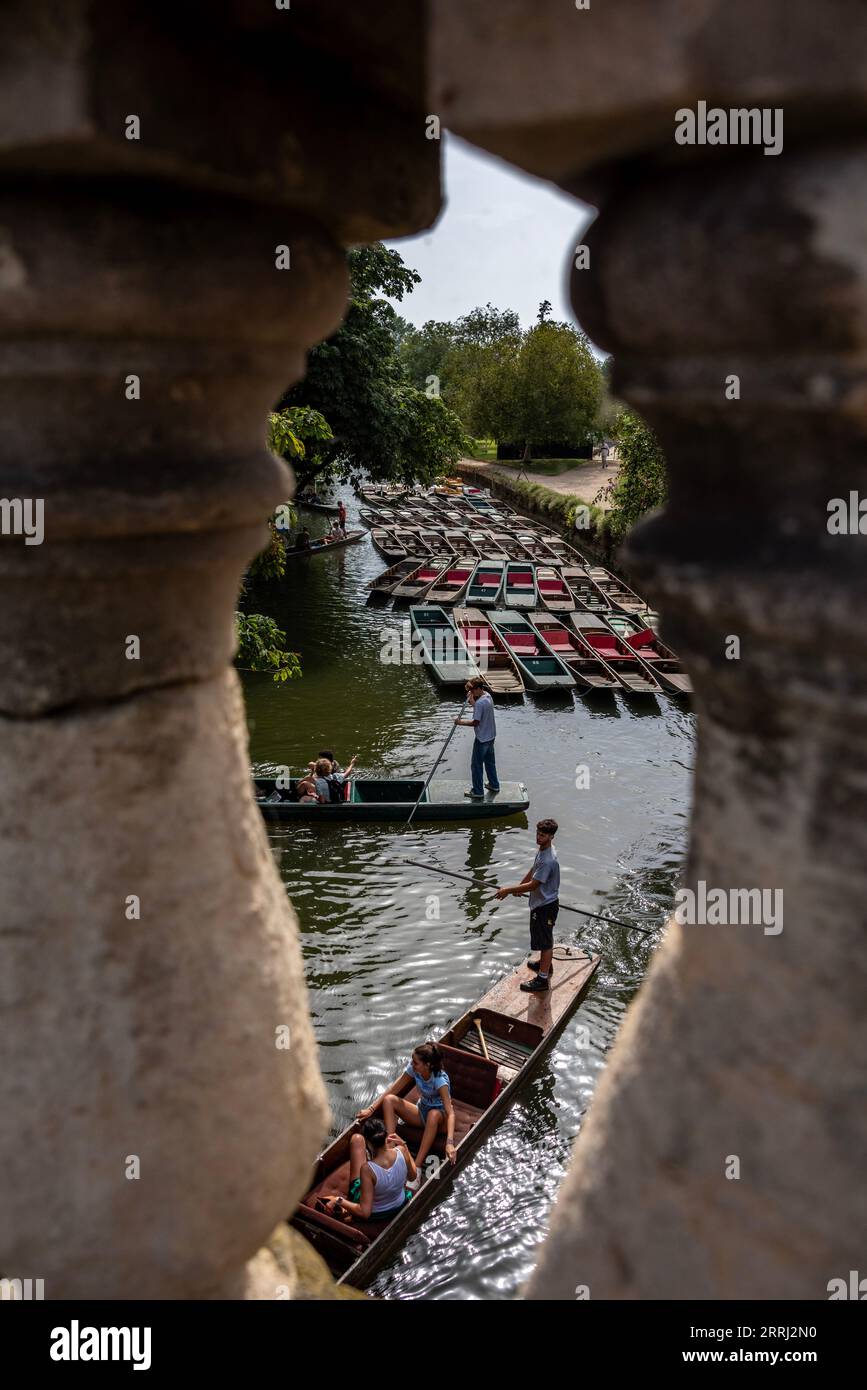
<point>536,986</point>
<point>475,796</point>
<point>534,965</point>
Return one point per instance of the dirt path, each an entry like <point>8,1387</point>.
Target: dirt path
<point>583,481</point>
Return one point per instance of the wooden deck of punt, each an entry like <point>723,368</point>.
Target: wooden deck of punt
<point>384,584</point>
<point>498,667</point>
<point>618,595</point>
<point>319,547</point>
<point>392,799</point>
<point>615,654</point>
<point>416,585</point>
<point>585,593</point>
<point>451,586</point>
<point>554,593</point>
<point>520,1030</point>
<point>589,672</point>
<point>651,651</point>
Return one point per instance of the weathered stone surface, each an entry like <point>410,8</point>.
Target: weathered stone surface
<point>244,101</point>
<point>743,1043</point>
<point>561,91</point>
<point>153,1037</point>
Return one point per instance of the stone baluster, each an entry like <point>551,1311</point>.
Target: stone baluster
<point>152,1131</point>
<point>722,1156</point>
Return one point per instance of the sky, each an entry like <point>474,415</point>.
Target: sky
<point>502,237</point>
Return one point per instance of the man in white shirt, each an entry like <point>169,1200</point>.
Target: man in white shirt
<point>485,727</point>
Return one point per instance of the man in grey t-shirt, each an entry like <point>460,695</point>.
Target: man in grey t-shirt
<point>484,724</point>
<point>542,882</point>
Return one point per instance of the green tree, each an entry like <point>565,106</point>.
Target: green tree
<point>551,391</point>
<point>642,481</point>
<point>262,647</point>
<point>478,368</point>
<point>301,435</point>
<point>382,423</point>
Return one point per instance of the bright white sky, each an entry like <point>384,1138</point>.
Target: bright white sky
<point>502,236</point>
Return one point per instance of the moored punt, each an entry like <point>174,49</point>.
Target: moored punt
<point>451,586</point>
<point>499,669</point>
<point>416,585</point>
<point>554,593</point>
<point>431,541</point>
<point>542,671</point>
<point>486,586</point>
<point>384,584</point>
<point>387,544</point>
<point>565,553</point>
<point>500,543</point>
<point>637,678</point>
<point>317,505</point>
<point>519,1030</point>
<point>618,595</point>
<point>651,651</point>
<point>443,647</point>
<point>587,596</point>
<point>391,799</point>
<point>519,589</point>
<point>590,673</point>
<point>320,546</point>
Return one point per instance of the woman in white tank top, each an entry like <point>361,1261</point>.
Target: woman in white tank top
<point>380,1165</point>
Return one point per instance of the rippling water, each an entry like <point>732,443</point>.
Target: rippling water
<point>394,953</point>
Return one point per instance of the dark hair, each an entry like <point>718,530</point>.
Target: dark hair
<point>374,1132</point>
<point>548,826</point>
<point>430,1054</point>
<point>326,753</point>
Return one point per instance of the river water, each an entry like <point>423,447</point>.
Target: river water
<point>394,952</point>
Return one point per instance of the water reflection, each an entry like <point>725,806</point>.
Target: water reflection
<point>394,952</point>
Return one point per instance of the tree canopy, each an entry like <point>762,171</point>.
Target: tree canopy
<point>381,422</point>
<point>642,481</point>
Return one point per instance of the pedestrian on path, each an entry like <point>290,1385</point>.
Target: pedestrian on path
<point>485,727</point>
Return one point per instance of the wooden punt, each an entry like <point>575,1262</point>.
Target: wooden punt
<point>588,598</point>
<point>443,647</point>
<point>330,508</point>
<point>431,541</point>
<point>542,671</point>
<point>519,586</point>
<point>384,584</point>
<point>417,585</point>
<point>501,543</point>
<point>323,547</point>
<point>615,654</point>
<point>391,799</point>
<point>590,673</point>
<point>651,651</point>
<point>618,595</point>
<point>564,553</point>
<point>387,544</point>
<point>499,669</point>
<point>554,593</point>
<point>486,586</point>
<point>451,586</point>
<point>520,1029</point>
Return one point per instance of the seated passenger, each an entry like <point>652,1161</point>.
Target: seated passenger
<point>380,1165</point>
<point>434,1112</point>
<point>305,788</point>
<point>322,772</point>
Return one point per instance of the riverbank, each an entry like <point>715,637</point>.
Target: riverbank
<point>581,521</point>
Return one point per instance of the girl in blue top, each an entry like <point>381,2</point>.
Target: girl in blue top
<point>434,1112</point>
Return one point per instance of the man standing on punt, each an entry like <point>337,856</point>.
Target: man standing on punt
<point>484,724</point>
<point>542,882</point>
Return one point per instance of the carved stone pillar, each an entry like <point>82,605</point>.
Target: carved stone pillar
<point>747,1042</point>
<point>708,264</point>
<point>152,1133</point>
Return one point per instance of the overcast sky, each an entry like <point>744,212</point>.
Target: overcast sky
<point>502,236</point>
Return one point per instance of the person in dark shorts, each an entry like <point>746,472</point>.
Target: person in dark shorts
<point>542,882</point>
